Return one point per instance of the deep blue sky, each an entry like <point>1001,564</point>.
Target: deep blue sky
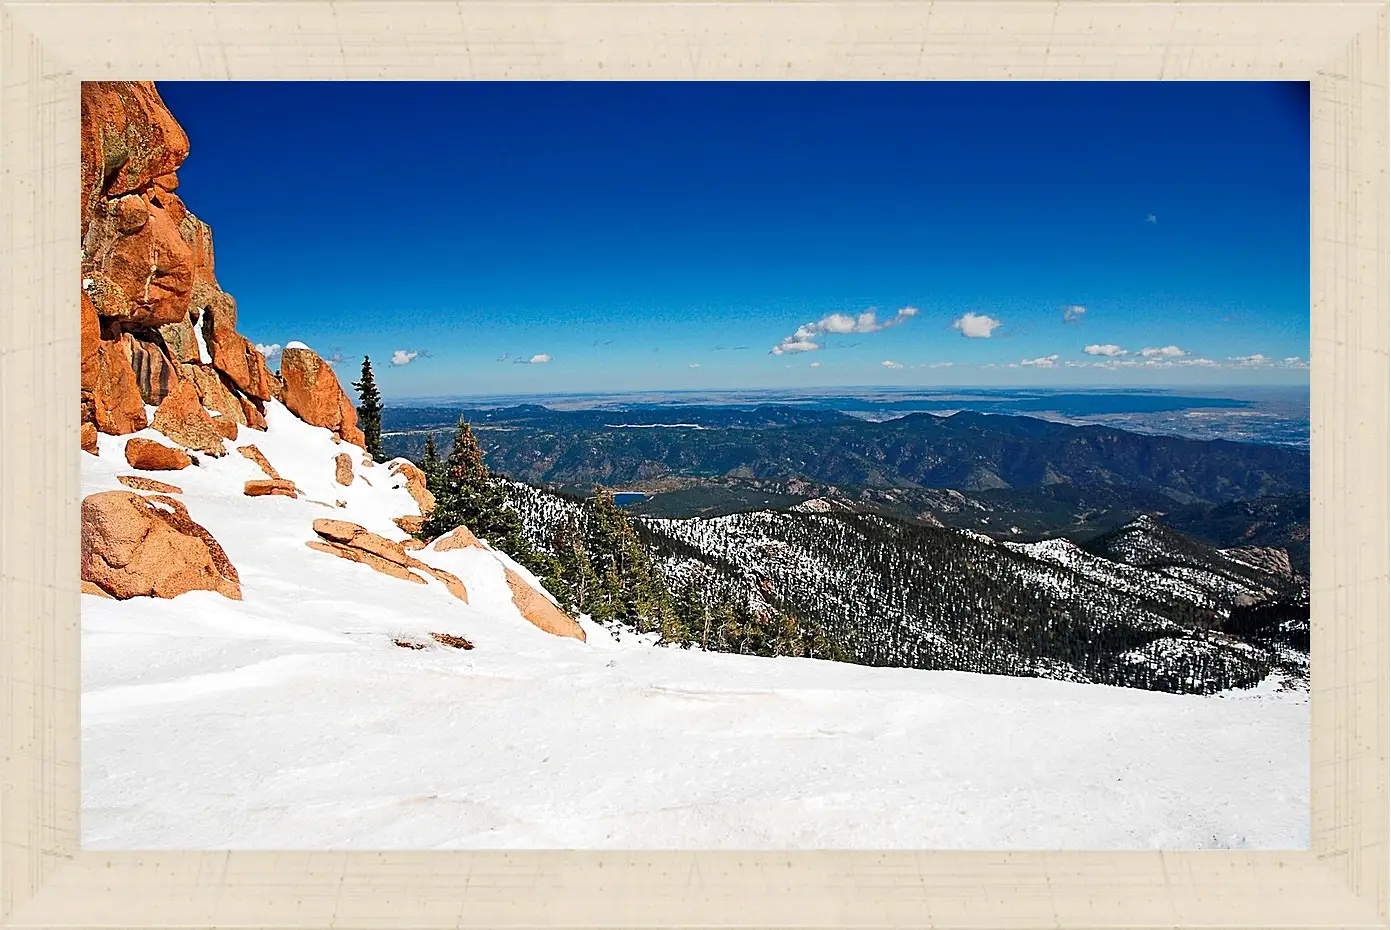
<point>636,234</point>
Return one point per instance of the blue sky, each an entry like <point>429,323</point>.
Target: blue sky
<point>541,237</point>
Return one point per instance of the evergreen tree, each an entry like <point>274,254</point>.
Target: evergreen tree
<point>466,494</point>
<point>430,465</point>
<point>369,409</point>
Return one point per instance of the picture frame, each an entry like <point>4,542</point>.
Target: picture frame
<point>48,48</point>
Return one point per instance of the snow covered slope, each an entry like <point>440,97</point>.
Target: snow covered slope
<point>291,719</point>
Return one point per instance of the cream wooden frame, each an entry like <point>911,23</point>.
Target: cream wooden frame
<point>48,47</point>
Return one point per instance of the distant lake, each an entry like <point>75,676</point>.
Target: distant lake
<point>624,498</point>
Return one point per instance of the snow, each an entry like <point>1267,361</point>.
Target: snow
<point>296,344</point>
<point>204,355</point>
<point>291,720</point>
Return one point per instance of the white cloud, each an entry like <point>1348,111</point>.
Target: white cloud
<point>840,324</point>
<point>939,364</point>
<point>888,364</point>
<point>402,357</point>
<point>1074,313</point>
<point>815,364</point>
<point>1108,350</point>
<point>976,325</point>
<point>1295,361</point>
<point>693,365</point>
<point>1163,352</point>
<point>269,351</point>
<point>539,359</point>
<point>1047,361</point>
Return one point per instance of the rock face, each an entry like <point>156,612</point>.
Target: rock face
<point>148,455</point>
<point>533,605</point>
<point>182,418</point>
<point>153,315</point>
<point>136,546</point>
<point>313,394</point>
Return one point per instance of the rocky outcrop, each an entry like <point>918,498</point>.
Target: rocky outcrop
<point>135,546</point>
<point>313,394</point>
<point>182,418</point>
<point>148,484</point>
<point>148,455</point>
<point>149,293</point>
<point>350,541</point>
<point>538,609</point>
<point>343,468</point>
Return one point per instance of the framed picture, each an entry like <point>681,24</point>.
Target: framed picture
<point>778,464</point>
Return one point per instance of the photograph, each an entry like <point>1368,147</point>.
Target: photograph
<point>748,465</point>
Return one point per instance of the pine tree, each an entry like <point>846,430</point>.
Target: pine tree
<point>466,494</point>
<point>430,465</point>
<point>369,409</point>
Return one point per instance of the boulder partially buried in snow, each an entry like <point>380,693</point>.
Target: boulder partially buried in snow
<point>148,455</point>
<point>134,546</point>
<point>343,468</point>
<point>358,544</point>
<point>415,485</point>
<point>270,486</point>
<point>535,607</point>
<point>313,394</point>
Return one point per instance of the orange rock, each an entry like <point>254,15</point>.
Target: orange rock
<point>461,537</point>
<point>254,454</point>
<point>148,484</point>
<point>182,418</point>
<point>91,345</point>
<point>117,407</point>
<point>155,373</point>
<point>226,426</point>
<point>265,486</point>
<point>410,545</point>
<point>140,268</point>
<point>343,468</point>
<point>313,394</point>
<point>134,546</point>
<point>539,610</point>
<point>179,341</point>
<point>129,138</point>
<point>415,485</point>
<point>371,560</point>
<point>252,413</point>
<point>214,394</point>
<point>357,541</point>
<point>90,588</point>
<point>412,525</point>
<point>148,455</point>
<point>451,582</point>
<point>89,437</point>
<point>232,353</point>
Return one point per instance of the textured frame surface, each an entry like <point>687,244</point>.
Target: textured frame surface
<point>47,48</point>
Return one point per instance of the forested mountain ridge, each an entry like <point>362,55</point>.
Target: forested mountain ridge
<point>878,591</point>
<point>964,451</point>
